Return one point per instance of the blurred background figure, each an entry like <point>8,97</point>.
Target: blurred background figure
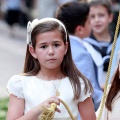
<point>15,13</point>
<point>101,38</point>
<point>13,9</point>
<point>115,9</point>
<point>11,48</point>
<point>47,8</point>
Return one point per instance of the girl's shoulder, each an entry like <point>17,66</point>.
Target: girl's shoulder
<point>15,85</point>
<point>20,77</point>
<point>84,94</point>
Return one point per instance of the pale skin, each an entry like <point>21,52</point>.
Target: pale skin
<point>33,114</point>
<point>86,109</point>
<point>100,20</point>
<point>52,50</point>
<point>17,105</point>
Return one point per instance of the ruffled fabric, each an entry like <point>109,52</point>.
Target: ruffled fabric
<point>14,86</point>
<point>83,96</point>
<point>30,27</point>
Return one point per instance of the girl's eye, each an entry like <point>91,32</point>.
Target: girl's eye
<point>101,15</point>
<point>56,45</point>
<point>44,46</point>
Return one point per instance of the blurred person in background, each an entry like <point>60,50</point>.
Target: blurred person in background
<point>115,10</point>
<point>47,8</point>
<point>14,13</point>
<point>99,44</point>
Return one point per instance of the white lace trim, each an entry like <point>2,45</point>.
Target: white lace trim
<point>85,97</point>
<point>13,93</point>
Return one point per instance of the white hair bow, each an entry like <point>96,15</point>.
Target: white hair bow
<point>30,27</point>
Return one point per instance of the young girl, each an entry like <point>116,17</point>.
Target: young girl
<point>49,75</point>
<point>111,110</point>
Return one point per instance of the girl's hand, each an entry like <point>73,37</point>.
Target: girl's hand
<point>18,114</point>
<point>50,100</point>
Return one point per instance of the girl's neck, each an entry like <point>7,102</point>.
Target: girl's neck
<point>103,37</point>
<point>50,75</point>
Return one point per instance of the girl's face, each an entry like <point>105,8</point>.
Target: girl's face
<point>99,19</point>
<point>50,49</point>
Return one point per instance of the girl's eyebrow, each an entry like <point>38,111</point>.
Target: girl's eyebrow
<point>56,41</point>
<point>43,43</point>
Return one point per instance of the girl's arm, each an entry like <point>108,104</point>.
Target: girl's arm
<point>16,108</point>
<point>86,109</point>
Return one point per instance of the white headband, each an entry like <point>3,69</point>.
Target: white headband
<point>35,22</point>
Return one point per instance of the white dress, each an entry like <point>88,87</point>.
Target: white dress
<point>34,91</point>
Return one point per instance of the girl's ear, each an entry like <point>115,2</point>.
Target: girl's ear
<point>32,52</point>
<point>66,47</point>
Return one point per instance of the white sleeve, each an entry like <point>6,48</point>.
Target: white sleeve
<point>84,95</point>
<point>14,86</point>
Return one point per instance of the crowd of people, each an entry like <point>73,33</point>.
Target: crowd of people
<point>67,57</point>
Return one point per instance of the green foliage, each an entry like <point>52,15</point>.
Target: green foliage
<point>3,108</point>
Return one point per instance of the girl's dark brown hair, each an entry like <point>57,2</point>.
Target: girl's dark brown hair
<point>68,68</point>
<point>114,89</point>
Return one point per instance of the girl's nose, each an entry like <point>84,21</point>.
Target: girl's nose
<point>51,51</point>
